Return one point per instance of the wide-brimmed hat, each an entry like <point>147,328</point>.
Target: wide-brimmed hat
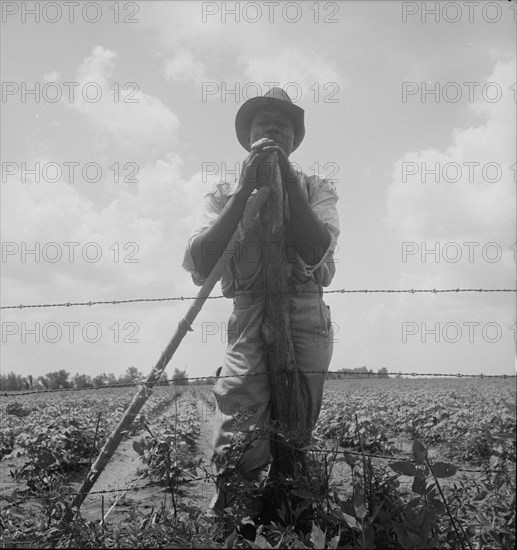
<point>275,97</point>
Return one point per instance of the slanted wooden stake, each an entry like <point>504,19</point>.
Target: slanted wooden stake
<point>145,389</point>
<point>286,405</point>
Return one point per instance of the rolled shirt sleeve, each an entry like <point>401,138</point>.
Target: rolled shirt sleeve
<point>323,197</point>
<point>212,207</point>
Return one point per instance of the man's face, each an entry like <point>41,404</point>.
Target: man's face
<point>275,124</point>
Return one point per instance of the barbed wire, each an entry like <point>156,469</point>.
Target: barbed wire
<point>210,379</point>
<point>277,293</point>
<point>211,477</point>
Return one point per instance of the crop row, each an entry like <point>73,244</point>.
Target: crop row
<point>62,435</point>
<point>168,449</point>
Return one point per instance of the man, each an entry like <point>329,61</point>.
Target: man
<point>266,125</point>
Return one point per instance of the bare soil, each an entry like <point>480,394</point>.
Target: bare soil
<point>121,475</point>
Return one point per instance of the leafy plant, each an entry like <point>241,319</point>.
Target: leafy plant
<point>56,448</point>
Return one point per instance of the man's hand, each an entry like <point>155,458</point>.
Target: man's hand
<point>255,168</point>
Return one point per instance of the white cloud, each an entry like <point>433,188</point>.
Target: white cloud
<point>438,220</point>
<point>481,203</point>
<point>183,67</point>
<point>218,49</point>
<point>290,67</point>
<point>157,215</point>
<point>52,76</point>
<point>139,124</point>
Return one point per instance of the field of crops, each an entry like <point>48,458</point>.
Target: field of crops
<point>395,463</point>
<point>460,417</point>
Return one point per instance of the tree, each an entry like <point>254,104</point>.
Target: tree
<point>56,380</point>
<point>82,381</point>
<point>359,372</point>
<point>383,372</point>
<point>13,382</point>
<point>100,380</point>
<point>132,376</point>
<point>179,377</point>
<point>111,379</point>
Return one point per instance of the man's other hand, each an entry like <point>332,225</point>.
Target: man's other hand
<point>256,166</point>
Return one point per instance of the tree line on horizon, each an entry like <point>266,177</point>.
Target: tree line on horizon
<point>63,380</point>
<point>359,372</point>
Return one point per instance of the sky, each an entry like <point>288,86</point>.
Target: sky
<point>117,117</point>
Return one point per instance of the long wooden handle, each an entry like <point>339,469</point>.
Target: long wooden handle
<point>145,388</point>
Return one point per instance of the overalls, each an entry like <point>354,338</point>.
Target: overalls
<point>242,390</point>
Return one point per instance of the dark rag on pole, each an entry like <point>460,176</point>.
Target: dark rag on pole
<point>286,401</point>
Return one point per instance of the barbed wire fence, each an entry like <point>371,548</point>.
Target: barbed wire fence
<point>211,477</point>
<point>211,379</point>
<point>336,291</point>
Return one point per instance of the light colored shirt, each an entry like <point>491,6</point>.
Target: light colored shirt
<point>244,270</point>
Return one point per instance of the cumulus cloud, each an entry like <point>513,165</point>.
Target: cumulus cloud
<point>136,243</point>
<point>183,68</point>
<point>138,123</point>
<point>138,234</point>
<point>472,194</point>
<point>458,232</point>
<point>155,212</point>
<point>291,67</point>
<point>208,44</point>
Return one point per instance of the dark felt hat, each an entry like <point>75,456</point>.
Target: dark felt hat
<point>275,97</point>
